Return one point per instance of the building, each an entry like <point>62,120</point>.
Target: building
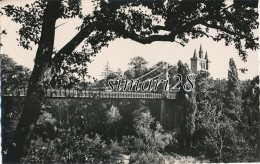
<point>199,62</point>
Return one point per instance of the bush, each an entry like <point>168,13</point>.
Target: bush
<point>45,126</point>
<point>147,140</point>
<point>72,148</point>
<point>112,115</point>
<point>222,140</point>
<point>11,108</point>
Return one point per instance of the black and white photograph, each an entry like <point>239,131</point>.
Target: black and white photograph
<point>129,81</point>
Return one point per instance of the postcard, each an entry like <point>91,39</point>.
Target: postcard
<point>129,81</point>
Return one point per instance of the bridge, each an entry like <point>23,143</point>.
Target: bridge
<point>169,113</point>
<point>103,93</point>
<point>74,93</point>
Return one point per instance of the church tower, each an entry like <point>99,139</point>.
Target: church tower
<point>200,62</point>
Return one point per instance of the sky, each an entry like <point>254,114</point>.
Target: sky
<point>120,51</point>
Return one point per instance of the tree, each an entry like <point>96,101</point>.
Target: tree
<point>222,131</point>
<point>147,139</point>
<point>204,101</point>
<point>220,135</point>
<point>202,91</point>
<point>187,107</point>
<point>111,19</point>
<point>14,77</point>
<point>228,137</point>
<point>35,94</point>
<point>137,67</point>
<point>202,85</point>
<point>215,132</point>
<point>251,114</point>
<point>107,70</point>
<point>112,115</point>
<point>108,74</point>
<point>171,71</point>
<point>233,95</point>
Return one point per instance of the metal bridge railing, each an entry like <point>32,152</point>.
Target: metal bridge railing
<point>81,93</point>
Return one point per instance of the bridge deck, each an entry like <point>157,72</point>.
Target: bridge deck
<point>101,94</point>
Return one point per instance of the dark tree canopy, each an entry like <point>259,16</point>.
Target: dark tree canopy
<point>144,22</point>
<point>13,76</point>
<point>141,21</point>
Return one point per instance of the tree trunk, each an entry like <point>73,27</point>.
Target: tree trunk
<point>35,92</point>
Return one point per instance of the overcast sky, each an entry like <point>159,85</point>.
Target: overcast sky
<point>120,51</point>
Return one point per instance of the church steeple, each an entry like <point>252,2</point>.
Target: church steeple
<point>200,63</point>
<point>200,52</point>
<point>195,54</point>
<point>206,56</point>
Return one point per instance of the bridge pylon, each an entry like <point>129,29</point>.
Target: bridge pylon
<point>166,78</point>
<point>169,114</point>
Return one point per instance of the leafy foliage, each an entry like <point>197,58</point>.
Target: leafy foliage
<point>141,21</point>
<point>117,130</point>
<point>187,108</point>
<point>112,115</point>
<point>95,149</point>
<point>137,67</point>
<point>222,131</point>
<point>31,18</point>
<point>72,70</point>
<point>233,86</point>
<point>70,147</point>
<point>14,77</point>
<point>45,126</point>
<point>147,140</point>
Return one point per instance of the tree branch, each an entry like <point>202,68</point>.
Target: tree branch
<point>146,39</point>
<point>218,28</point>
<point>203,33</point>
<point>74,42</point>
<point>61,25</point>
<point>159,27</point>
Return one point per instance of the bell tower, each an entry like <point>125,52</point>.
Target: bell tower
<point>200,62</point>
